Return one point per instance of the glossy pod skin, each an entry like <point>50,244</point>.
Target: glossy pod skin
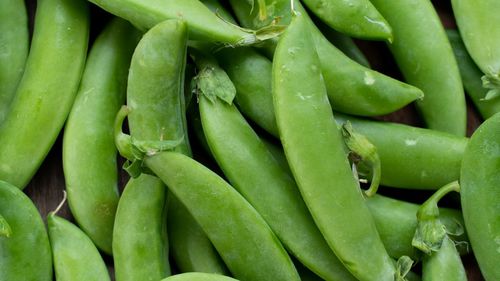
<point>253,171</point>
<point>345,44</point>
<point>314,148</point>
<point>424,55</point>
<point>444,264</point>
<point>241,236</point>
<point>357,18</point>
<point>352,88</point>
<point>471,77</point>
<point>155,98</point>
<point>47,90</point>
<point>25,255</point>
<point>75,256</point>
<point>14,45</point>
<point>88,135</point>
<point>479,179</point>
<point>483,43</point>
<point>197,276</point>
<point>203,24</point>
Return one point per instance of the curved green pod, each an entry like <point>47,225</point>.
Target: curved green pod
<point>471,77</point>
<point>253,171</point>
<point>314,148</point>
<point>75,256</point>
<point>88,135</point>
<point>479,179</point>
<point>357,18</point>
<point>412,157</point>
<point>5,229</point>
<point>47,90</point>
<point>14,45</point>
<point>351,87</point>
<point>203,24</point>
<point>241,236</point>
<point>444,264</point>
<point>345,44</point>
<point>25,255</point>
<point>483,43</point>
<point>424,55</point>
<point>197,276</point>
<point>140,244</point>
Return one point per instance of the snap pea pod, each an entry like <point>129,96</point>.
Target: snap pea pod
<point>314,148</point>
<point>424,55</point>
<point>441,260</point>
<point>471,77</point>
<point>197,276</point>
<point>479,179</point>
<point>203,24</point>
<point>14,45</point>
<point>5,229</point>
<point>358,18</point>
<point>351,87</point>
<point>241,236</point>
<point>483,43</point>
<point>25,255</point>
<point>345,44</point>
<point>256,175</point>
<point>88,135</point>
<point>46,92</point>
<point>75,256</point>
<point>156,99</point>
<point>412,157</point>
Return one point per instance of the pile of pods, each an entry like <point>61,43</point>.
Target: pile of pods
<point>281,99</point>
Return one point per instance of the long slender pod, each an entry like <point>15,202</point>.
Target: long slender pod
<point>25,254</point>
<point>203,24</point>
<point>88,135</point>
<point>198,276</point>
<point>479,179</point>
<point>253,171</point>
<point>424,55</point>
<point>76,257</point>
<point>14,45</point>
<point>345,44</point>
<point>351,87</point>
<point>314,148</point>
<point>47,90</point>
<point>357,18</point>
<point>156,100</point>
<point>474,19</point>
<point>471,77</point>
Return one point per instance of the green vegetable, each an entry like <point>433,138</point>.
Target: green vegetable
<point>197,276</point>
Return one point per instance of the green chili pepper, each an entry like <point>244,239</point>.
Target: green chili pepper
<point>479,179</point>
<point>14,45</point>
<point>46,92</point>
<point>88,135</point>
<point>314,149</point>
<point>26,253</point>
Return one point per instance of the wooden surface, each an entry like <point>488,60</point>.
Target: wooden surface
<point>46,188</point>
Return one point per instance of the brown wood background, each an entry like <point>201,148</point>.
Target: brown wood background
<point>46,188</point>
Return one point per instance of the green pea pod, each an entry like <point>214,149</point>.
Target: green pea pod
<point>345,44</point>
<point>156,99</point>
<point>46,92</point>
<point>141,224</point>
<point>75,256</point>
<point>479,179</point>
<point>351,87</point>
<point>483,43</point>
<point>5,229</point>
<point>412,157</point>
<point>25,255</point>
<point>197,276</point>
<point>88,135</point>
<point>216,7</point>
<point>241,236</point>
<point>256,175</point>
<point>357,18</point>
<point>14,45</point>
<point>203,24</point>
<point>471,77</point>
<point>424,55</point>
<point>314,148</point>
<point>441,260</point>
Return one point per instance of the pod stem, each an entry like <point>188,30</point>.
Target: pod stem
<point>362,151</point>
<point>61,204</point>
<point>430,231</point>
<point>491,82</point>
<point>5,229</point>
<point>403,267</point>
